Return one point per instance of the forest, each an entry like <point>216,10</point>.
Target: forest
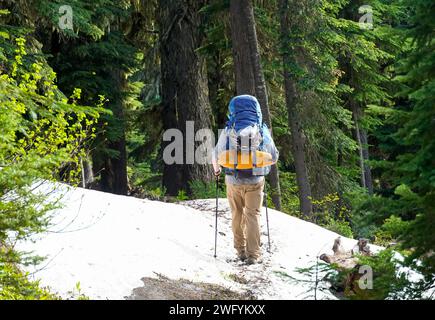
<point>347,87</point>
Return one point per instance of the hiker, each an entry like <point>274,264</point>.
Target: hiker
<point>246,150</point>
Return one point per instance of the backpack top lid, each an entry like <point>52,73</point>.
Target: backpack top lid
<point>244,111</point>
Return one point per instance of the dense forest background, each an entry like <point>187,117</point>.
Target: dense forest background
<point>347,86</point>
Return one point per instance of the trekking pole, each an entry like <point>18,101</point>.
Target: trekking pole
<point>216,221</point>
<point>267,214</point>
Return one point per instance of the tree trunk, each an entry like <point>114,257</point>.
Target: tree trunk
<point>293,103</point>
<point>114,178</point>
<point>248,71</point>
<point>360,135</point>
<point>365,155</point>
<point>184,86</point>
<point>87,172</point>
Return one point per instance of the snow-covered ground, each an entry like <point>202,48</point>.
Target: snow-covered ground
<point>109,243</point>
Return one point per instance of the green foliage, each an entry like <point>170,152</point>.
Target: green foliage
<point>289,194</point>
<point>388,282</point>
<point>77,294</point>
<point>415,167</point>
<point>144,176</point>
<point>313,45</point>
<point>157,193</point>
<point>381,79</point>
<point>341,227</point>
<point>392,230</point>
<point>41,133</point>
<point>220,66</point>
<point>14,285</point>
<point>407,146</point>
<point>315,278</point>
<point>42,139</point>
<point>331,214</point>
<point>98,56</point>
<point>182,196</point>
<point>202,190</point>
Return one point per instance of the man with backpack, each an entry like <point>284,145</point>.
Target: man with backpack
<point>242,148</point>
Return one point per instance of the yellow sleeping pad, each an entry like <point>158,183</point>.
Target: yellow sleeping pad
<point>227,159</point>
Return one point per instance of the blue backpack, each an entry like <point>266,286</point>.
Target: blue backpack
<point>245,117</point>
<point>244,111</point>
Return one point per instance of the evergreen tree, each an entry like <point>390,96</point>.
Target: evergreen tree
<point>293,102</point>
<point>414,168</point>
<point>318,120</point>
<point>249,75</point>
<point>366,59</point>
<point>101,63</point>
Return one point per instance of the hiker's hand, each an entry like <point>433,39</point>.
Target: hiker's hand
<point>217,173</point>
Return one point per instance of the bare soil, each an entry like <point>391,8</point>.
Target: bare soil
<point>163,288</point>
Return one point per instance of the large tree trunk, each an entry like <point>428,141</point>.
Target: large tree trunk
<point>184,86</point>
<point>114,177</point>
<point>248,70</point>
<point>294,118</point>
<point>298,144</point>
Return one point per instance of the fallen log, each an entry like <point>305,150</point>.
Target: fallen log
<point>347,261</point>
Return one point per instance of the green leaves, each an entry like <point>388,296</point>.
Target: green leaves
<point>41,135</point>
<point>14,285</point>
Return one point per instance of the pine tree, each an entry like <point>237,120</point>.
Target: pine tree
<point>415,167</point>
<point>367,58</point>
<point>293,103</point>
<point>99,59</point>
<point>317,118</point>
<point>249,75</point>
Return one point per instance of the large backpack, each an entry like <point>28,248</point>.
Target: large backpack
<point>246,134</point>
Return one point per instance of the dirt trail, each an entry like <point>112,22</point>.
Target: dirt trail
<point>248,276</point>
<point>164,288</point>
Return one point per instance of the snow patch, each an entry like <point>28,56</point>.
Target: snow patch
<point>109,243</point>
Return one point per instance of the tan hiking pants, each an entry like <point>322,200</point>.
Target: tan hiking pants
<point>245,203</point>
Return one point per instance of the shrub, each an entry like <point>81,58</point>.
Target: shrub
<point>15,285</point>
<point>387,281</point>
<point>182,196</point>
<point>341,227</point>
<point>391,231</point>
<point>42,137</point>
<point>289,194</point>
<point>330,215</point>
<point>202,190</point>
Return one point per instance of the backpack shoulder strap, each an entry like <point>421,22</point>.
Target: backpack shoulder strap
<point>261,134</point>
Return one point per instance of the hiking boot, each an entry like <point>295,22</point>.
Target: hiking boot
<point>252,260</point>
<point>242,256</point>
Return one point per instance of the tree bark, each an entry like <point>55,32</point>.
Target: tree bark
<point>114,178</point>
<point>248,70</point>
<point>294,118</point>
<point>184,85</point>
<point>365,155</point>
<point>360,135</point>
